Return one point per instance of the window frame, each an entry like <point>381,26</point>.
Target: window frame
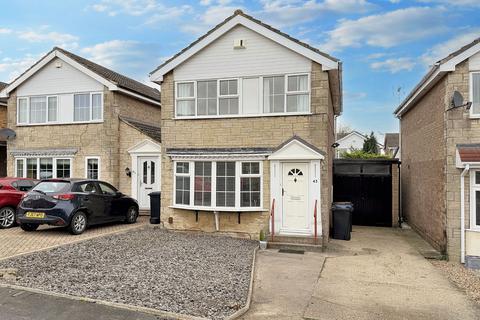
<point>470,93</point>
<point>54,165</point>
<point>57,122</point>
<point>240,93</point>
<point>86,166</point>
<point>473,211</point>
<point>213,206</point>
<point>28,98</point>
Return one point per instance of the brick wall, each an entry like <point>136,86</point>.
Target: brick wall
<point>245,132</point>
<point>423,166</point>
<point>3,117</point>
<point>96,139</point>
<point>460,129</point>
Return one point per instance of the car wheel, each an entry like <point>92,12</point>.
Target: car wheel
<point>29,227</point>
<point>132,215</point>
<point>78,223</point>
<point>7,217</point>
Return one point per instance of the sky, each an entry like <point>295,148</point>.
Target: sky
<point>385,46</point>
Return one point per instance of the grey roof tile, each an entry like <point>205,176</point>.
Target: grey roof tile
<point>149,129</point>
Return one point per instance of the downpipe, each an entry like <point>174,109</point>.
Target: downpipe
<point>462,212</point>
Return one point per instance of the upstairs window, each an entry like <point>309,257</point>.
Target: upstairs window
<point>87,107</point>
<point>37,110</point>
<point>186,99</point>
<point>252,96</point>
<point>475,93</point>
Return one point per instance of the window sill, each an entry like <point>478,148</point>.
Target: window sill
<point>473,230</point>
<point>57,123</point>
<point>283,114</point>
<point>197,208</point>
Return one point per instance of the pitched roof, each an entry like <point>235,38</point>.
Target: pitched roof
<point>111,76</point>
<point>391,140</point>
<point>149,129</point>
<point>435,73</point>
<point>3,101</point>
<point>119,79</point>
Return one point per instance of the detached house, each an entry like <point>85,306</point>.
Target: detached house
<point>248,123</point>
<point>440,145</point>
<point>75,118</point>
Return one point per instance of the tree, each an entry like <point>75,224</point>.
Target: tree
<point>370,145</point>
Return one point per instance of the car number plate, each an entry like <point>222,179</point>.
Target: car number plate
<point>38,215</point>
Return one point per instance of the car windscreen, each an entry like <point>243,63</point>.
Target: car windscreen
<point>23,185</point>
<point>52,186</point>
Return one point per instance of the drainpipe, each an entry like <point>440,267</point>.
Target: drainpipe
<point>462,213</point>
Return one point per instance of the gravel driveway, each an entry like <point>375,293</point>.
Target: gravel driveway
<point>187,273</point>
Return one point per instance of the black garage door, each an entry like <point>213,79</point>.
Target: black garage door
<point>368,184</point>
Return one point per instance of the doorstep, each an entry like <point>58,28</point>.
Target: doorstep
<point>301,243</point>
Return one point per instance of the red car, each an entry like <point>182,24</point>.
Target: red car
<point>11,192</point>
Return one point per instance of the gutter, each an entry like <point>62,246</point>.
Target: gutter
<point>462,212</point>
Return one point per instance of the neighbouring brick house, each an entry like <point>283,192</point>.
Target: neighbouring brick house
<point>75,118</point>
<point>440,146</point>
<point>391,145</point>
<point>248,117</point>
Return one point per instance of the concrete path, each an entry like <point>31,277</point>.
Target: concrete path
<point>15,241</point>
<point>283,284</point>
<point>376,275</point>
<point>23,305</point>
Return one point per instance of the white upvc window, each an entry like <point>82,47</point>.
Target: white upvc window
<point>226,185</point>
<point>87,107</point>
<point>92,168</point>
<point>37,109</point>
<point>228,97</point>
<point>475,94</point>
<point>475,200</point>
<point>185,99</point>
<point>277,95</point>
<point>43,167</point>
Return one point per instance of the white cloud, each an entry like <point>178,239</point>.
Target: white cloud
<point>10,68</point>
<point>212,16</point>
<point>153,10</point>
<point>42,34</point>
<point>443,49</point>
<point>291,12</point>
<point>5,31</point>
<point>459,3</point>
<point>387,30</point>
<point>394,65</point>
<point>354,95</point>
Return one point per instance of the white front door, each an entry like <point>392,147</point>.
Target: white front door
<point>295,178</point>
<point>148,179</point>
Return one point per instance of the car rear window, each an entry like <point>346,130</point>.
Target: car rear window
<point>23,185</point>
<point>52,186</point>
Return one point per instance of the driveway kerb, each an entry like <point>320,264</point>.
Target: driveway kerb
<point>106,303</point>
<point>243,310</point>
<point>75,241</point>
<point>156,312</point>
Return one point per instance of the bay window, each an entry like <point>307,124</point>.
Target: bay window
<point>43,168</point>
<point>182,183</point>
<point>249,96</point>
<point>475,200</point>
<point>218,185</point>
<point>475,93</point>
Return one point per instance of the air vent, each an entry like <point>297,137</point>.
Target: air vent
<point>239,44</point>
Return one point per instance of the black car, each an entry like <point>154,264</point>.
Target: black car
<point>74,203</point>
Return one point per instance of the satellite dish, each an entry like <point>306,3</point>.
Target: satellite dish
<point>457,101</point>
<point>6,133</point>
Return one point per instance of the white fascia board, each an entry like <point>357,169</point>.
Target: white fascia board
<point>327,64</point>
<point>5,92</point>
<point>138,96</point>
<point>430,81</point>
<point>452,63</point>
